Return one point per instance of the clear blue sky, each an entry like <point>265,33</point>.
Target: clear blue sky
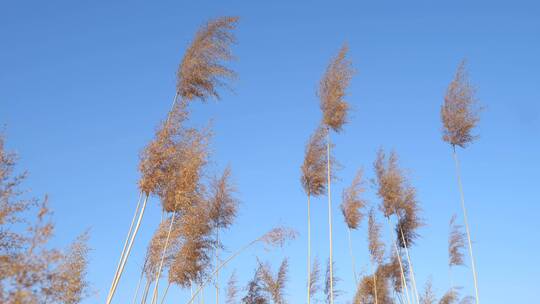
<point>83,84</point>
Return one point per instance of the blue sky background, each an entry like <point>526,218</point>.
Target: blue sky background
<point>83,84</point>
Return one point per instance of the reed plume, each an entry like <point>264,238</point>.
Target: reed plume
<point>460,111</point>
<point>332,91</point>
<point>449,297</point>
<point>330,282</point>
<point>376,248</point>
<point>157,246</point>
<point>276,237</point>
<point>456,243</point>
<point>232,289</point>
<point>255,290</point>
<point>373,289</point>
<point>31,270</point>
<point>460,115</point>
<point>315,278</point>
<point>313,181</point>
<point>202,69</point>
<point>399,199</point>
<point>274,284</point>
<point>351,208</point>
<point>428,297</point>
<point>223,209</point>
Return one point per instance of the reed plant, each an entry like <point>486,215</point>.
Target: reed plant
<point>460,114</point>
<point>332,91</point>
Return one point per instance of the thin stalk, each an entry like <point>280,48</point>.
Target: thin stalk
<point>352,256</point>
<point>403,278</point>
<point>165,293</point>
<point>221,266</point>
<point>309,249</point>
<point>158,274</point>
<point>374,283</point>
<point>131,241</point>
<point>146,289</point>
<point>217,262</point>
<point>139,283</point>
<point>126,242</point>
<point>330,216</point>
<point>462,196</point>
<point>411,269</point>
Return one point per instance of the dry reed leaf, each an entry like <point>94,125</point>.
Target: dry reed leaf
<point>202,69</point>
<point>332,90</point>
<point>352,202</point>
<point>456,243</point>
<point>460,111</point>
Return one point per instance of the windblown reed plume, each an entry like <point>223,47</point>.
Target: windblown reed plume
<point>202,69</point>
<point>460,111</point>
<point>277,237</point>
<point>315,278</point>
<point>223,208</point>
<point>456,243</point>
<point>399,199</point>
<point>31,271</point>
<point>330,282</point>
<point>313,181</point>
<point>428,297</point>
<point>351,207</point>
<point>449,297</point>
<point>157,245</point>
<point>373,289</point>
<point>332,91</point>
<point>255,290</point>
<point>459,115</point>
<point>232,289</point>
<point>376,248</point>
<point>274,285</point>
<point>192,259</point>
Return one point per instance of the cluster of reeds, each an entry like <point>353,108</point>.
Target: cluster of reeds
<point>184,250</point>
<point>31,270</point>
<point>392,276</point>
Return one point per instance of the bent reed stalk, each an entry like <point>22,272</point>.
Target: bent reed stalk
<point>132,240</point>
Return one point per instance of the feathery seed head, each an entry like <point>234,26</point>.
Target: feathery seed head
<point>456,243</point>
<point>352,202</point>
<point>376,247</point>
<point>314,167</point>
<point>460,111</point>
<point>202,69</point>
<point>332,90</point>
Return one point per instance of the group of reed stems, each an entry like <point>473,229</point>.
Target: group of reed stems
<point>174,162</point>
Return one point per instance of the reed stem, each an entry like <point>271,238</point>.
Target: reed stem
<point>330,216</point>
<point>352,256</point>
<point>131,241</point>
<point>465,218</point>
<point>309,249</point>
<point>403,278</point>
